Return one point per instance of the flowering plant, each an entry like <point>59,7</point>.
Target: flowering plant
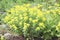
<point>34,21</point>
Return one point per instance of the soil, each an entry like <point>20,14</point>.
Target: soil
<point>54,38</point>
<point>17,38</point>
<point>38,38</point>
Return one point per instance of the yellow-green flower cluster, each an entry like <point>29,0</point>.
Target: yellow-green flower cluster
<point>32,18</point>
<point>58,27</point>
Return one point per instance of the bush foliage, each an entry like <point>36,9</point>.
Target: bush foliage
<point>34,21</point>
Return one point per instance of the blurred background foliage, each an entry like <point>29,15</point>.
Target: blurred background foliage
<point>6,4</point>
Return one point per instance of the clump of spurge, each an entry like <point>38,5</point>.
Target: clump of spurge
<point>31,21</point>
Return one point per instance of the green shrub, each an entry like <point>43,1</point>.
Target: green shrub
<point>34,21</point>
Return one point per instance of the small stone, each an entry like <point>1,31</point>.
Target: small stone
<point>7,36</point>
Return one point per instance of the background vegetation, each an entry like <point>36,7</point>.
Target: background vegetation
<point>31,18</point>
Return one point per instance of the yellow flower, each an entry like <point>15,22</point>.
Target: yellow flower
<point>25,26</point>
<point>50,7</point>
<point>20,23</point>
<point>53,11</point>
<point>17,6</point>
<point>23,8</point>
<point>58,23</point>
<point>39,13</point>
<point>30,19</point>
<point>38,5</point>
<point>27,5</point>
<point>21,17</point>
<point>14,27</point>
<point>47,12</point>
<point>57,4</point>
<point>59,13</point>
<point>37,28</point>
<point>28,25</point>
<point>34,21</point>
<point>31,10</point>
<point>35,8</point>
<point>25,14</point>
<point>25,18</point>
<point>12,10</point>
<point>42,24</point>
<point>58,27</point>
<point>6,18</point>
<point>43,19</point>
<point>12,20</point>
